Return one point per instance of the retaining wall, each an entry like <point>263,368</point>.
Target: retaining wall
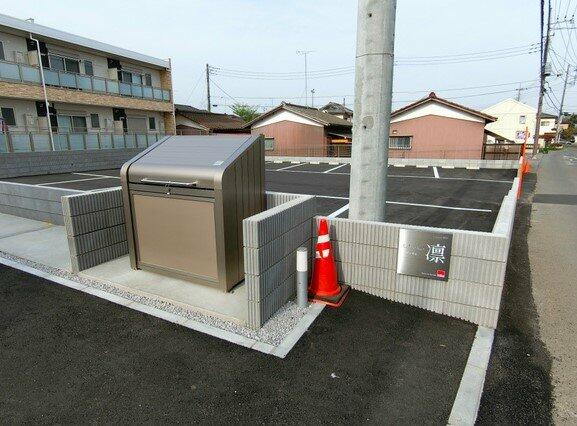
<point>431,162</point>
<point>270,242</point>
<point>50,162</point>
<point>95,227</point>
<point>32,202</point>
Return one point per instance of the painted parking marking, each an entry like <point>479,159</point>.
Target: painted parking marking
<point>289,167</point>
<point>398,165</point>
<point>401,203</point>
<point>339,211</point>
<point>96,175</point>
<point>335,168</point>
<point>421,167</point>
<point>436,172</point>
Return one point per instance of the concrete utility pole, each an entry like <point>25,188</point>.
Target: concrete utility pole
<point>305,53</point>
<point>313,98</point>
<point>372,113</point>
<point>560,116</point>
<point>544,56</point>
<point>208,87</point>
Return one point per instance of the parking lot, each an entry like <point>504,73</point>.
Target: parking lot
<point>427,196</point>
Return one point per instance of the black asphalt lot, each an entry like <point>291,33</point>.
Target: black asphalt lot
<point>68,357</point>
<point>471,198</point>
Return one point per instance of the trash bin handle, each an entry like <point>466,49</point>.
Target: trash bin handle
<point>169,182</point>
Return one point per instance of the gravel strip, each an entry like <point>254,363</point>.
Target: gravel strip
<point>273,332</point>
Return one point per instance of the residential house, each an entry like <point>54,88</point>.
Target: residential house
<point>434,127</point>
<point>515,117</point>
<point>194,121</point>
<point>60,91</point>
<point>338,110</point>
<point>300,130</point>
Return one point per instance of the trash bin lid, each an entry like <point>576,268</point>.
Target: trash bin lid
<point>193,161</point>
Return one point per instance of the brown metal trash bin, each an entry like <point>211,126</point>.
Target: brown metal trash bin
<point>185,198</point>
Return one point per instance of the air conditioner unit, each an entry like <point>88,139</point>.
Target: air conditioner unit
<point>19,57</point>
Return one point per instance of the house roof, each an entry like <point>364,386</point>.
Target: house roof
<point>210,120</point>
<point>432,97</point>
<point>498,136</point>
<point>548,115</point>
<point>21,26</point>
<point>304,111</point>
<point>336,108</point>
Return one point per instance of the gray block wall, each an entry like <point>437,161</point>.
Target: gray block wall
<point>32,202</point>
<point>366,256</point>
<point>270,242</point>
<point>95,227</point>
<point>42,163</point>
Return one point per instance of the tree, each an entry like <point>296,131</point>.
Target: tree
<point>244,111</point>
<point>568,133</point>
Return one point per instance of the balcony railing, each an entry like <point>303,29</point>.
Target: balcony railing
<point>39,141</point>
<point>13,71</point>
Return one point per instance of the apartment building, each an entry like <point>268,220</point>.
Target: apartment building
<point>60,91</point>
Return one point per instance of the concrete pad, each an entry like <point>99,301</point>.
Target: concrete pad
<point>47,246</point>
<point>231,306</point>
<point>14,225</point>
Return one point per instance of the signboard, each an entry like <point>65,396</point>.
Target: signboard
<point>520,134</point>
<point>424,254</point>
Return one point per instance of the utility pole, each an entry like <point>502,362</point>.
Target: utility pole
<point>313,98</point>
<point>305,53</point>
<point>208,87</point>
<point>544,56</point>
<point>559,117</point>
<point>518,97</point>
<point>371,120</point>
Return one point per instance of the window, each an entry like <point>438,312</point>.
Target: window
<point>151,123</point>
<point>8,116</point>
<point>79,123</point>
<point>88,68</point>
<point>95,121</point>
<point>544,123</point>
<point>2,55</point>
<point>522,119</point>
<point>136,79</point>
<point>400,142</point>
<point>71,123</point>
<point>147,80</point>
<point>269,144</point>
<point>60,63</point>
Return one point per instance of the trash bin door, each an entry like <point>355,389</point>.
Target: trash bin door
<point>176,233</point>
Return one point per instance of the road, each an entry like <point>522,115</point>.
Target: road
<point>552,253</point>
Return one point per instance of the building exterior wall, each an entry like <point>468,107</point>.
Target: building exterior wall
<point>440,137</point>
<point>293,138</point>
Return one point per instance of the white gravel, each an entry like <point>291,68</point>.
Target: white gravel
<point>272,333</point>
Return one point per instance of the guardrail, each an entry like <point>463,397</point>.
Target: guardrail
<point>13,142</point>
<point>13,71</point>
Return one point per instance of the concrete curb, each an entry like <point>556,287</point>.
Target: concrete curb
<point>468,399</point>
<point>279,351</point>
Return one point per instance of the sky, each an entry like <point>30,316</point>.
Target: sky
<point>258,39</point>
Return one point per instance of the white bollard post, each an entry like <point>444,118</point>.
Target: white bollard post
<point>302,277</point>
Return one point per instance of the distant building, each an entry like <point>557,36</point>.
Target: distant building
<point>300,130</point>
<point>514,117</point>
<point>437,128</point>
<point>99,96</point>
<point>338,110</point>
<point>194,121</point>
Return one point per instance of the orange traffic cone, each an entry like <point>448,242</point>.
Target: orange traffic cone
<point>324,286</point>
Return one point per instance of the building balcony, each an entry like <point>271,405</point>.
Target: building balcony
<point>39,141</point>
<point>22,73</point>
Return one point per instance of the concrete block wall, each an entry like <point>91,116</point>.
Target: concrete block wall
<point>448,162</point>
<point>366,256</point>
<point>32,202</point>
<point>95,227</point>
<point>270,242</point>
<point>41,163</point>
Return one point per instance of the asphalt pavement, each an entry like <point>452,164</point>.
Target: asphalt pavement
<point>68,357</point>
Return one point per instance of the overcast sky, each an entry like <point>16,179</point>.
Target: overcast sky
<point>262,36</point>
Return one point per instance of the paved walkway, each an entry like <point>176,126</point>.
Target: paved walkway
<point>553,258</point>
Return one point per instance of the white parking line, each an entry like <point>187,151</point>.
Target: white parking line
<point>335,168</point>
<point>436,172</point>
<point>287,167</point>
<point>95,174</point>
<point>401,203</point>
<point>339,211</point>
<point>70,181</point>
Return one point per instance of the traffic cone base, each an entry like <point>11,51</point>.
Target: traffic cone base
<point>334,301</point>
